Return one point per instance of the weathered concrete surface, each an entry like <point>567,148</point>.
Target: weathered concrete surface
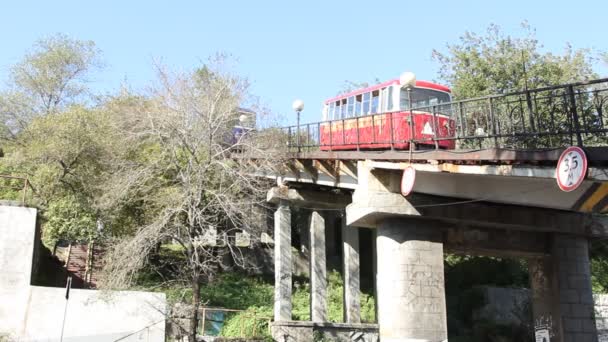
<point>562,298</point>
<point>32,313</point>
<point>411,291</point>
<point>299,197</point>
<point>571,257</point>
<point>94,316</point>
<point>352,287</point>
<point>282,262</point>
<point>300,331</point>
<point>318,269</point>
<point>17,235</point>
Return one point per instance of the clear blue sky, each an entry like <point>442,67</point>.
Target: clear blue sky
<point>287,49</point>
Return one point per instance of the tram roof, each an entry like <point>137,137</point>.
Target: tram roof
<point>419,84</point>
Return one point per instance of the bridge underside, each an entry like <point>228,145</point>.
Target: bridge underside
<point>485,206</point>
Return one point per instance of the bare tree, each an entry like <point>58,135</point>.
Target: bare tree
<point>180,158</point>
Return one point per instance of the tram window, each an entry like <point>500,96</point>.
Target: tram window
<point>336,113</point>
<point>375,101</point>
<point>389,102</point>
<point>404,102</point>
<point>344,110</point>
<point>330,112</point>
<point>422,97</point>
<point>351,107</point>
<point>366,98</point>
<point>358,100</point>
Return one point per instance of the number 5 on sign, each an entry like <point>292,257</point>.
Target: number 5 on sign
<point>571,169</point>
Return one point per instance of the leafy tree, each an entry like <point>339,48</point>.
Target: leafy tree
<point>494,63</point>
<point>63,156</point>
<point>50,77</point>
<point>190,185</point>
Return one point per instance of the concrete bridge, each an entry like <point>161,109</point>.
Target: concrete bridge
<point>499,198</point>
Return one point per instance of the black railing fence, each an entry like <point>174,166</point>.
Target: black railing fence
<point>557,116</point>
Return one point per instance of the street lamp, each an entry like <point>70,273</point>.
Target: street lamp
<point>407,80</point>
<point>298,106</point>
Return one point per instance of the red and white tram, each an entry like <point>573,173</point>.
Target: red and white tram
<point>378,117</point>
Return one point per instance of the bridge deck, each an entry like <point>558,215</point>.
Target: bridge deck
<point>595,155</point>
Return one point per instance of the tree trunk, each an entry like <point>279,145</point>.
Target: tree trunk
<point>196,301</point>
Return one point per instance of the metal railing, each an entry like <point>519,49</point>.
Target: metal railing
<point>16,185</point>
<point>254,318</point>
<point>549,117</point>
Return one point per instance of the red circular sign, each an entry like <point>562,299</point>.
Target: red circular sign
<point>407,180</point>
<point>571,168</point>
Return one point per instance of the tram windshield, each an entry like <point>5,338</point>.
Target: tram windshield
<point>422,98</point>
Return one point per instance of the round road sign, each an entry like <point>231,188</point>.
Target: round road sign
<point>571,168</point>
<point>407,180</point>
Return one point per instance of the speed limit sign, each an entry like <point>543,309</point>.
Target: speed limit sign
<point>571,169</point>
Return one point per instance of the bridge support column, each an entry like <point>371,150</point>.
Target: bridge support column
<point>282,262</point>
<point>318,269</point>
<point>562,297</point>
<point>411,290</point>
<point>352,288</point>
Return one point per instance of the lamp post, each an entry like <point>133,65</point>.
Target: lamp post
<point>298,106</point>
<point>407,80</point>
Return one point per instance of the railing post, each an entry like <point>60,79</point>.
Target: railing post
<point>373,129</point>
<point>319,133</point>
<point>463,124</point>
<point>358,141</point>
<point>391,128</point>
<point>435,124</point>
<point>331,136</point>
<point>343,133</point>
<point>411,119</point>
<point>289,137</point>
<point>308,137</point>
<point>579,138</point>
<point>493,121</point>
<point>530,111</point>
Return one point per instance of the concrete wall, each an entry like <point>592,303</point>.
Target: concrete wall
<point>94,315</point>
<point>33,313</point>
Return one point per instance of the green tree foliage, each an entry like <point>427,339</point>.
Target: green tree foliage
<point>54,73</point>
<point>64,157</point>
<point>494,63</point>
<point>52,76</point>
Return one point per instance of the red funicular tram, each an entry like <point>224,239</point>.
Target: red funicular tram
<point>378,117</point>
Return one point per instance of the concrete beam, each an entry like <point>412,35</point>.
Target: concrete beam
<point>494,242</point>
<point>369,208</point>
<point>505,216</point>
<point>304,198</point>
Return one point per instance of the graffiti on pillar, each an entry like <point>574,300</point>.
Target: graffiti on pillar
<point>424,286</point>
<point>542,328</point>
<point>542,335</point>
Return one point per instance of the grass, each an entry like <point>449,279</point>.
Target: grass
<point>252,294</point>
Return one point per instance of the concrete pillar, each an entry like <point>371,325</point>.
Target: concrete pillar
<point>574,282</point>
<point>562,302</point>
<point>545,311</point>
<point>411,290</point>
<point>350,260</point>
<point>318,269</point>
<point>282,262</point>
